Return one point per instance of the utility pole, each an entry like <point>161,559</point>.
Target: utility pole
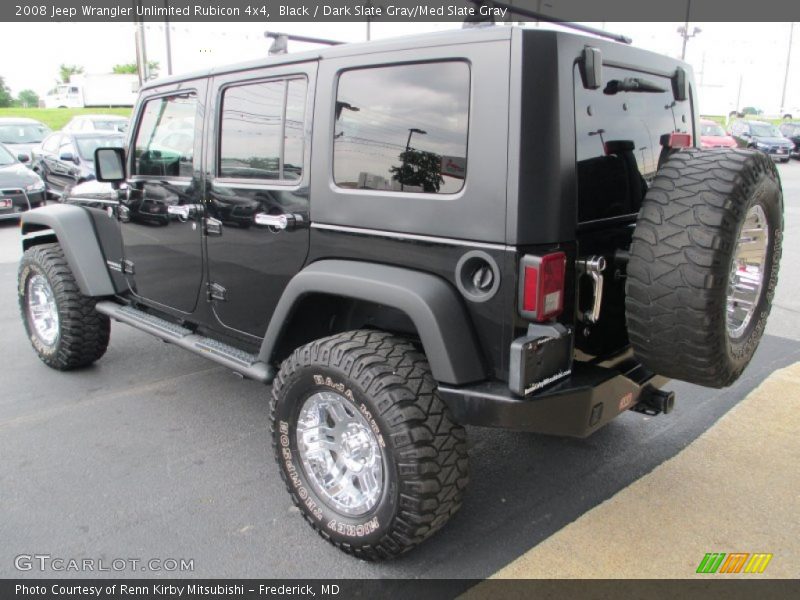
<point>369,20</point>
<point>141,49</point>
<point>684,30</point>
<point>786,74</point>
<point>411,131</point>
<point>739,95</point>
<point>168,40</point>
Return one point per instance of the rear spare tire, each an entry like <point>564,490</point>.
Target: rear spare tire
<point>704,264</point>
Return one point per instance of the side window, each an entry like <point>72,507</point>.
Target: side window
<point>51,143</point>
<point>164,144</point>
<point>402,128</point>
<point>66,147</point>
<point>262,130</point>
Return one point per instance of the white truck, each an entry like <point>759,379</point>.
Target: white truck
<point>94,90</point>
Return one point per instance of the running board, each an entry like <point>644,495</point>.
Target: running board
<point>239,361</point>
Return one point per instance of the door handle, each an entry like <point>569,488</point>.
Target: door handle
<point>184,211</point>
<point>285,222</point>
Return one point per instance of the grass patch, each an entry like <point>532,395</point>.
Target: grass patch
<point>56,118</point>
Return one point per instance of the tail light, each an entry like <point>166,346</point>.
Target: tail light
<point>680,140</point>
<point>542,286</point>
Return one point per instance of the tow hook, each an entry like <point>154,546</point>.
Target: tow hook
<point>653,401</point>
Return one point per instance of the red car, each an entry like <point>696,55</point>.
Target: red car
<point>712,135</point>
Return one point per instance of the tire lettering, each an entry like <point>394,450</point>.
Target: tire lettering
<point>354,530</point>
<point>291,472</point>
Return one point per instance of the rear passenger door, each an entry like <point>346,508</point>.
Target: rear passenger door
<point>257,205</point>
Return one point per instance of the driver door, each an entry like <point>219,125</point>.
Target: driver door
<point>162,212</point>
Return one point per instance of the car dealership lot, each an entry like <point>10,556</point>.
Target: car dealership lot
<point>153,454</point>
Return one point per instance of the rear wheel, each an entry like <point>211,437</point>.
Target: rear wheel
<point>62,324</point>
<point>368,451</point>
<point>704,264</point>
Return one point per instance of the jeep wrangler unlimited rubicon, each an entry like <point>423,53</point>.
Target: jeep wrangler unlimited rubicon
<point>494,226</point>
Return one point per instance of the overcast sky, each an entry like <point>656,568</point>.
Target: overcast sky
<point>723,54</point>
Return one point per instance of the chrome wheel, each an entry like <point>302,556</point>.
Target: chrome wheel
<point>340,453</point>
<point>42,309</point>
<point>747,274</point>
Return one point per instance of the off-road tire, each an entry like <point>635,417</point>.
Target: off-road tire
<point>424,451</point>
<point>83,332</point>
<point>681,258</point>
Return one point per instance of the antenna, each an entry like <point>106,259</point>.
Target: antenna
<point>524,12</point>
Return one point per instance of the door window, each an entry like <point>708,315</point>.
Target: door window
<point>164,145</point>
<point>262,131</point>
<point>51,143</point>
<point>66,148</point>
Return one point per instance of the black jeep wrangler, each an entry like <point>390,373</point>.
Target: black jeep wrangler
<point>495,226</point>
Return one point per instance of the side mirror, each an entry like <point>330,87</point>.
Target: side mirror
<point>109,165</point>
<point>23,158</point>
<point>67,157</point>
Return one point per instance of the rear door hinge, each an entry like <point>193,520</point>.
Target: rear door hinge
<point>216,292</point>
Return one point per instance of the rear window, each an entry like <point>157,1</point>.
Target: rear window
<point>617,143</point>
<point>402,128</point>
<point>22,133</point>
<point>711,129</point>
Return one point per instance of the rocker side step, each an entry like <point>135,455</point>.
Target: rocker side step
<point>241,362</point>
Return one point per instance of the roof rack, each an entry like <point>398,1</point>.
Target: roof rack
<point>524,12</point>
<point>281,41</point>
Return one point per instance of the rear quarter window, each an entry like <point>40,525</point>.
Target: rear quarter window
<point>402,128</point>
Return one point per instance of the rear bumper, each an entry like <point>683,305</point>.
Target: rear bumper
<point>576,407</point>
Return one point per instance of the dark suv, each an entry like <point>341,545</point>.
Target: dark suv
<point>791,131</point>
<point>496,226</point>
<point>764,137</point>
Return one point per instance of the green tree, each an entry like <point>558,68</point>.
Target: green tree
<point>6,99</point>
<point>28,98</point>
<point>751,110</point>
<point>152,68</point>
<point>65,72</point>
<point>419,168</point>
<point>124,68</point>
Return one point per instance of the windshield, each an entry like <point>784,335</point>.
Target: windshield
<point>711,129</point>
<point>6,158</point>
<point>22,133</point>
<point>764,130</point>
<point>87,145</point>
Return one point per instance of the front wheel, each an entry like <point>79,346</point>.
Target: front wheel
<point>62,324</point>
<point>368,451</point>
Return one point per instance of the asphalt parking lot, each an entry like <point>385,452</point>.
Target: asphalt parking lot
<point>157,453</point>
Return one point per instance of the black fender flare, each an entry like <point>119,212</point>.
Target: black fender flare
<point>432,304</point>
<point>73,228</point>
